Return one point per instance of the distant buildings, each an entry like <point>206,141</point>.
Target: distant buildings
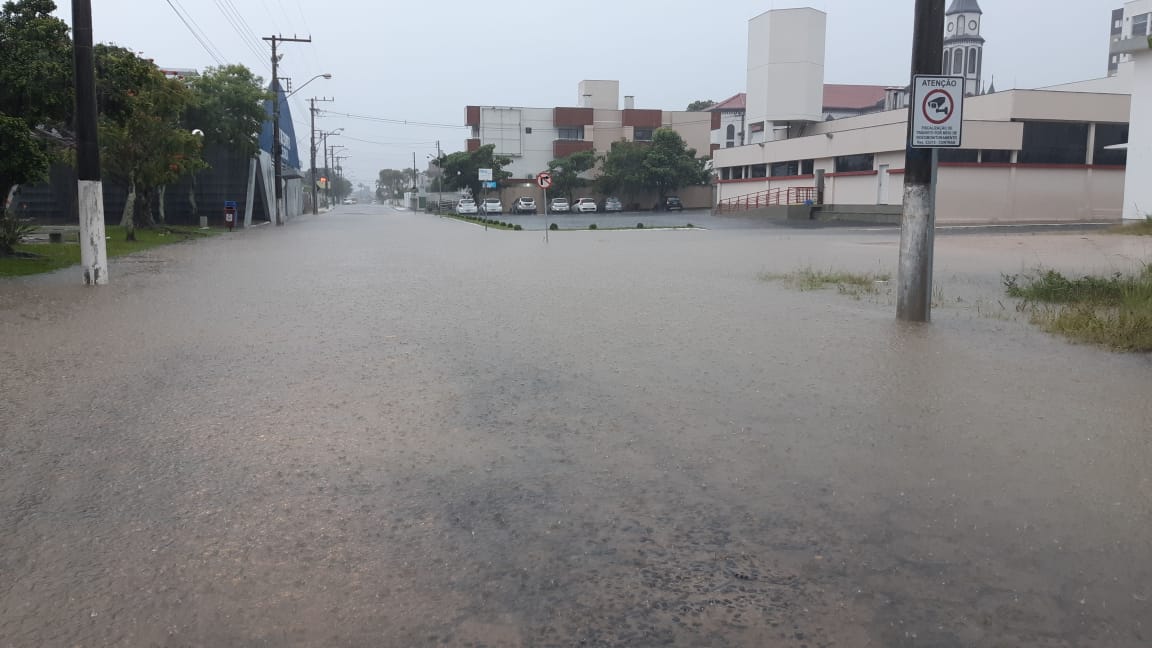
<point>533,137</point>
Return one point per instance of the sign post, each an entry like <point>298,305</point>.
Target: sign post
<point>544,180</point>
<point>935,115</point>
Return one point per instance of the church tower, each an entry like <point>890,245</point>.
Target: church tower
<point>963,44</point>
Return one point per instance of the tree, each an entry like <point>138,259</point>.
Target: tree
<point>35,93</point>
<point>664,165</point>
<point>462,168</point>
<point>390,183</point>
<point>566,172</point>
<point>142,138</point>
<point>621,173</point>
<point>669,164</point>
<point>700,105</point>
<point>227,106</point>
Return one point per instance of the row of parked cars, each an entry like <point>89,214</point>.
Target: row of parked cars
<point>527,205</point>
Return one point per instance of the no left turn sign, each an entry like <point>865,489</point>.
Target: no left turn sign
<point>938,111</point>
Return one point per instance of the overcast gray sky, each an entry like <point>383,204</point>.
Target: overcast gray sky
<point>424,61</point>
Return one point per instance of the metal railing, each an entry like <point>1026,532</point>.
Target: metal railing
<point>769,198</point>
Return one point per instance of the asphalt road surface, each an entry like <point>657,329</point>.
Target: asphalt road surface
<point>379,428</point>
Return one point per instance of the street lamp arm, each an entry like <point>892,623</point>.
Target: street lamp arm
<point>318,76</point>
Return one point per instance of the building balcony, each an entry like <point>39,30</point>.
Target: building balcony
<point>564,148</point>
<point>572,117</point>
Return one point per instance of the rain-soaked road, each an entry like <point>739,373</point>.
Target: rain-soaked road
<point>374,428</point>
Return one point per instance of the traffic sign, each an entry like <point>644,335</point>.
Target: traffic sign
<point>544,179</point>
<point>485,175</point>
<point>937,111</point>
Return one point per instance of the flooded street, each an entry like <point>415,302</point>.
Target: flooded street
<point>378,428</point>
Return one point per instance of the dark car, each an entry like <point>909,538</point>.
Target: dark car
<point>672,203</point>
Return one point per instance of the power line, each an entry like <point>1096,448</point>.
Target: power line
<point>202,39</point>
<point>385,120</point>
<point>238,26</point>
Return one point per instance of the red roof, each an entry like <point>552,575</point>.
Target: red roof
<point>852,97</point>
<point>737,102</point>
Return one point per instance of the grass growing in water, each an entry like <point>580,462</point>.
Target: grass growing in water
<point>854,284</point>
<point>1139,228</point>
<point>1113,311</point>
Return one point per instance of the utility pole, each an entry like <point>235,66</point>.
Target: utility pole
<point>917,227</point>
<point>93,248</point>
<point>277,153</point>
<point>439,179</point>
<point>315,189</point>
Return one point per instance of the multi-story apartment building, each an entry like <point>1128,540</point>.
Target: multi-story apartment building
<point>533,137</point>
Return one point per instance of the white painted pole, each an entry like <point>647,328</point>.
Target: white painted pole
<point>250,200</point>
<point>93,244</point>
<point>90,190</point>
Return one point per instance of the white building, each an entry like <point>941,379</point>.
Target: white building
<point>963,44</point>
<point>1026,156</point>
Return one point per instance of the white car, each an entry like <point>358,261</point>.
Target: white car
<point>491,206</point>
<point>584,205</point>
<point>466,206</point>
<point>559,206</point>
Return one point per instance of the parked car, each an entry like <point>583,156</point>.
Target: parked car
<point>348,201</point>
<point>524,205</point>
<point>672,203</point>
<point>585,205</point>
<point>466,206</point>
<point>559,206</point>
<point>613,205</point>
<point>491,206</point>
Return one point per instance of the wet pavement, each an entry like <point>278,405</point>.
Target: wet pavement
<point>378,428</point>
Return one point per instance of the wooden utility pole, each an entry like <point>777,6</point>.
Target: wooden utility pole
<point>277,151</point>
<point>90,189</point>
<point>917,227</point>
<point>315,189</point>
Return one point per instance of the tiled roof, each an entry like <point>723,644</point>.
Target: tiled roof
<point>735,102</point>
<point>964,6</point>
<point>852,97</point>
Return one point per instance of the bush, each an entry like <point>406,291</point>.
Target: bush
<point>592,226</point>
<point>639,225</point>
<point>553,227</point>
<point>517,228</point>
<point>689,225</point>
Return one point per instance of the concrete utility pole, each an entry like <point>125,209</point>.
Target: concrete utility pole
<point>93,248</point>
<point>315,190</point>
<point>277,153</point>
<point>917,227</point>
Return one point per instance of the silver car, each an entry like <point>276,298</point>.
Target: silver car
<point>613,205</point>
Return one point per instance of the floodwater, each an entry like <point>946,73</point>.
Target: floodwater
<point>377,428</point>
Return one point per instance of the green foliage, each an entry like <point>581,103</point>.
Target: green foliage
<point>35,87</point>
<point>48,257</point>
<point>12,231</point>
<point>622,171</point>
<point>391,183</point>
<point>669,164</point>
<point>700,105</point>
<point>1114,311</point>
<point>461,169</point>
<point>518,228</point>
<point>553,227</point>
<point>639,225</point>
<point>227,104</point>
<point>854,284</point>
<point>566,172</point>
<point>592,226</point>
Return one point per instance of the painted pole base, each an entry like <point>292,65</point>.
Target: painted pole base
<point>93,243</point>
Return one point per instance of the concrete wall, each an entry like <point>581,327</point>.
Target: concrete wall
<point>975,194</point>
<point>1138,188</point>
<point>507,129</point>
<point>605,95</point>
<point>694,127</point>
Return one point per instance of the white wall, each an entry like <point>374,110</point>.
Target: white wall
<point>734,119</point>
<point>786,65</point>
<point>507,129</point>
<point>605,94</point>
<point>1137,187</point>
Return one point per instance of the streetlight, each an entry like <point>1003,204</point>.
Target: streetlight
<point>324,135</point>
<point>318,76</point>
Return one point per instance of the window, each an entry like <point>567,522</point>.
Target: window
<point>853,163</point>
<point>759,171</point>
<point>960,25</point>
<point>954,155</point>
<point>1107,135</point>
<point>783,169</point>
<point>642,135</point>
<point>731,136</point>
<point>971,60</point>
<point>1054,143</point>
<point>995,157</point>
<point>570,133</point>
<point>806,167</point>
<point>958,61</point>
<point>1140,25</point>
<point>947,62</point>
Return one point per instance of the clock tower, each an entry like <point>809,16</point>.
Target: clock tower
<point>963,44</point>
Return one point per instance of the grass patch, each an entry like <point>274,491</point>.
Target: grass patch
<point>1113,311</point>
<point>855,284</point>
<point>479,220</point>
<point>1139,228</point>
<point>53,256</point>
